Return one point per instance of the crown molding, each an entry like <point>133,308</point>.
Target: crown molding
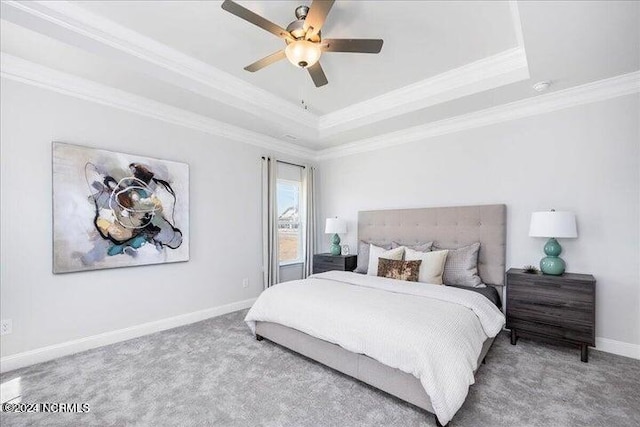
<point>601,90</point>
<point>171,65</point>
<point>17,69</point>
<point>20,70</point>
<point>498,70</point>
<point>168,64</point>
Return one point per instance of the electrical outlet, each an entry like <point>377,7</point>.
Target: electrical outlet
<point>245,282</point>
<point>6,327</point>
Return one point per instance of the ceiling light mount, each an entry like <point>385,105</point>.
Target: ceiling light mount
<point>302,12</point>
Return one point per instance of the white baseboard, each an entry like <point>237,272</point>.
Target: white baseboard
<point>39,355</point>
<point>618,347</point>
<point>43,354</point>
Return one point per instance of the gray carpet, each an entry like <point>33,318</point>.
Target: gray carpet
<point>215,373</point>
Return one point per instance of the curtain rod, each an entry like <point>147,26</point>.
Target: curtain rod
<point>286,163</point>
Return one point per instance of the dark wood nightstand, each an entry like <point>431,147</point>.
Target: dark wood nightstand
<point>555,308</point>
<point>328,262</point>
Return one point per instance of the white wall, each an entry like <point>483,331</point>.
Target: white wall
<point>584,159</point>
<point>225,220</point>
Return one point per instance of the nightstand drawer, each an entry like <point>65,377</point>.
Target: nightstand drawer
<point>552,330</point>
<point>558,299</point>
<point>546,289</point>
<point>553,312</point>
<point>327,266</point>
<point>328,262</point>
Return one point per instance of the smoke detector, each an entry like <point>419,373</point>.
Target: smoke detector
<point>542,86</point>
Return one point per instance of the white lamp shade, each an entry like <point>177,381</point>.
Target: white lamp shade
<point>553,224</point>
<point>303,53</point>
<point>335,226</point>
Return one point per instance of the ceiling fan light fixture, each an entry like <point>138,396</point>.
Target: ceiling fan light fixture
<point>303,53</point>
<point>303,38</point>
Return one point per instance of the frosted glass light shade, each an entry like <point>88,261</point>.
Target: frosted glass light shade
<point>553,224</point>
<point>335,226</point>
<point>302,53</point>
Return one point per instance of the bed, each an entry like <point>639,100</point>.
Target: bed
<point>383,362</point>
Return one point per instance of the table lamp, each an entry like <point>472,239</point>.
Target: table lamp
<point>554,225</point>
<point>335,226</point>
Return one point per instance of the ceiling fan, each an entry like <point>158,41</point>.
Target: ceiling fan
<point>302,36</point>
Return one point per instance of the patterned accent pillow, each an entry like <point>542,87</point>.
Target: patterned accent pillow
<point>461,267</point>
<point>420,247</point>
<point>399,270</point>
<point>376,252</point>
<point>363,256</point>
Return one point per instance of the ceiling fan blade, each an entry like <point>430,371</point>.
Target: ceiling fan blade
<point>267,60</point>
<point>255,19</point>
<point>315,18</point>
<point>317,75</point>
<point>352,45</point>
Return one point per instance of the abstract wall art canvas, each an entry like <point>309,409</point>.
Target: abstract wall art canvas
<point>117,210</point>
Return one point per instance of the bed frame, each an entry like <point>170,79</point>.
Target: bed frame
<point>449,227</point>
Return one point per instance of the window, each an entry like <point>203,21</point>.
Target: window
<point>289,222</point>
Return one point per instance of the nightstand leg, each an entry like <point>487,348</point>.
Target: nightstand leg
<point>514,337</point>
<point>584,353</point>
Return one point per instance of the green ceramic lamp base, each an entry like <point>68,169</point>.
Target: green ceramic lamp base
<point>552,264</point>
<point>335,245</point>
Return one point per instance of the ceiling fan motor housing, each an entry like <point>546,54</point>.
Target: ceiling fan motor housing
<point>296,29</point>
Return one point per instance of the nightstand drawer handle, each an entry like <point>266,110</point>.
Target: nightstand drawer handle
<point>547,304</point>
<point>542,304</point>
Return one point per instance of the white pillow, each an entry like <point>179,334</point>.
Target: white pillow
<point>376,252</point>
<point>431,267</point>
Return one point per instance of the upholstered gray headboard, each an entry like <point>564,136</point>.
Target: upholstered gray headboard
<point>449,227</point>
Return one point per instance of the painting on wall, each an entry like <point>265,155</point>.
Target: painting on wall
<point>117,210</point>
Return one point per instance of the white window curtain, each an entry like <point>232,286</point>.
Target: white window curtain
<point>309,201</point>
<point>270,264</point>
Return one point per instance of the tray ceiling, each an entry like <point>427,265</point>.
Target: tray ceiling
<point>421,40</point>
<point>440,60</point>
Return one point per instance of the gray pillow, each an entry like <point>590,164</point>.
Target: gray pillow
<point>461,267</point>
<point>420,247</point>
<point>363,256</point>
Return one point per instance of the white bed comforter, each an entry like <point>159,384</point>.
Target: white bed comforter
<point>433,332</point>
